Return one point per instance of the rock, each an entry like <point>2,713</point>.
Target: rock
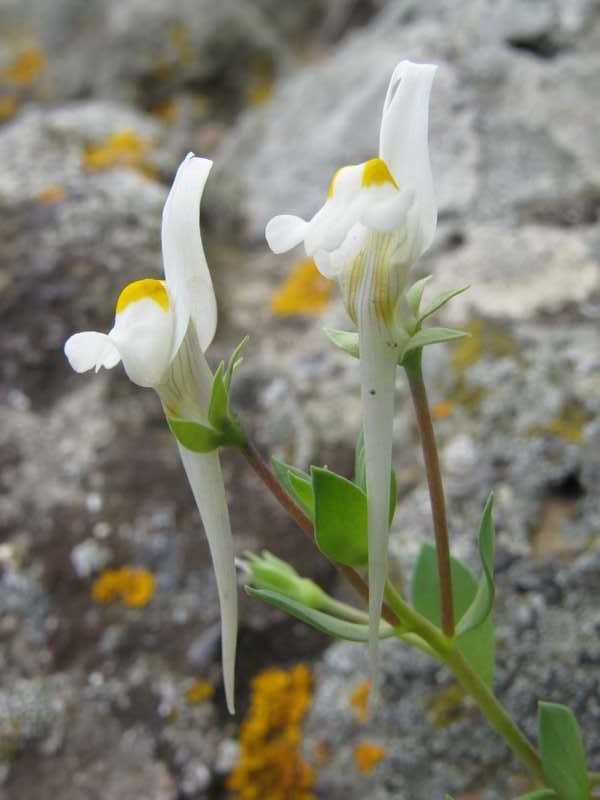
<point>89,557</point>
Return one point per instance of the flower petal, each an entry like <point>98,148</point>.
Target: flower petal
<point>403,141</point>
<point>89,350</point>
<point>143,335</point>
<point>186,271</point>
<point>285,232</point>
<point>206,480</point>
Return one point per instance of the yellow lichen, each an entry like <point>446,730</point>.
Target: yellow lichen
<point>568,426</point>
<point>305,291</point>
<point>25,67</point>
<point>446,705</point>
<point>200,691</point>
<point>360,700</point>
<point>485,339</point>
<point>51,194</point>
<point>122,149</point>
<point>8,108</point>
<point>270,764</point>
<point>368,755</point>
<point>261,82</point>
<point>131,585</point>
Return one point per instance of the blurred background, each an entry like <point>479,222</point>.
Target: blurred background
<point>110,683</point>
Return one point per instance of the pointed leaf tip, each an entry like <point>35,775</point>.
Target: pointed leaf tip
<point>483,602</point>
<point>562,751</point>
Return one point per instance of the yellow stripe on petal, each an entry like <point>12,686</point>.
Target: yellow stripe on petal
<point>376,173</point>
<point>332,184</point>
<point>140,290</point>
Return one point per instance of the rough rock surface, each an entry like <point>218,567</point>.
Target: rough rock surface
<point>94,698</point>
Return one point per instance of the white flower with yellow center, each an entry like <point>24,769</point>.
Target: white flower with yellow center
<point>378,219</point>
<point>161,331</point>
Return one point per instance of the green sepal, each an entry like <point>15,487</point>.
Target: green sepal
<point>298,485</point>
<point>483,603</point>
<point>440,301</point>
<point>345,340</point>
<point>218,409</point>
<point>220,416</point>
<point>194,436</point>
<point>427,336</point>
<point>235,360</point>
<point>539,794</point>
<point>415,293</point>
<point>562,752</point>
<point>339,629</point>
<point>476,645</point>
<point>360,475</point>
<point>341,526</point>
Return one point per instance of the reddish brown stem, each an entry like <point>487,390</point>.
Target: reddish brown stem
<point>266,474</point>
<point>436,490</point>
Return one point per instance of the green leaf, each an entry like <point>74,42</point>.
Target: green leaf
<point>340,518</point>
<point>440,301</point>
<point>428,336</point>
<point>539,794</point>
<point>339,629</point>
<point>194,436</point>
<point>562,752</point>
<point>218,409</point>
<point>296,483</point>
<point>345,340</point>
<point>234,361</point>
<point>477,645</point>
<point>415,293</point>
<point>483,603</point>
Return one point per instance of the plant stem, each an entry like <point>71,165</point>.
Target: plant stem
<point>266,474</point>
<point>488,704</point>
<point>436,489</point>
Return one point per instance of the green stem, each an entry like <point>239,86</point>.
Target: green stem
<point>488,704</point>
<point>339,609</point>
<point>418,391</point>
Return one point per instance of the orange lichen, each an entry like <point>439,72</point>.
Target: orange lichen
<point>25,67</point>
<point>360,700</point>
<point>51,194</point>
<point>442,410</point>
<point>271,765</point>
<point>8,108</point>
<point>368,755</point>
<point>200,691</point>
<point>305,291</point>
<point>131,585</point>
<point>122,149</point>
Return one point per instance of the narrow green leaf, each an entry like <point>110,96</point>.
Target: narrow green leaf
<point>483,603</point>
<point>540,794</point>
<point>303,491</point>
<point>218,409</point>
<point>440,301</point>
<point>562,752</point>
<point>340,518</point>
<point>428,336</point>
<point>415,293</point>
<point>194,436</point>
<point>298,484</point>
<point>477,645</point>
<point>234,361</point>
<point>339,629</point>
<point>345,340</point>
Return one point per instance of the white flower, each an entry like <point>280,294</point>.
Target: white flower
<point>161,331</point>
<point>378,219</point>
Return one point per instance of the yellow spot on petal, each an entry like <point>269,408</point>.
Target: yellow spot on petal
<point>140,290</point>
<point>271,765</point>
<point>200,691</point>
<point>25,68</point>
<point>332,184</point>
<point>305,291</point>
<point>123,149</point>
<point>367,756</point>
<point>8,108</point>
<point>376,173</point>
<point>132,586</point>
<point>360,700</point>
<point>442,410</point>
<point>51,194</point>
